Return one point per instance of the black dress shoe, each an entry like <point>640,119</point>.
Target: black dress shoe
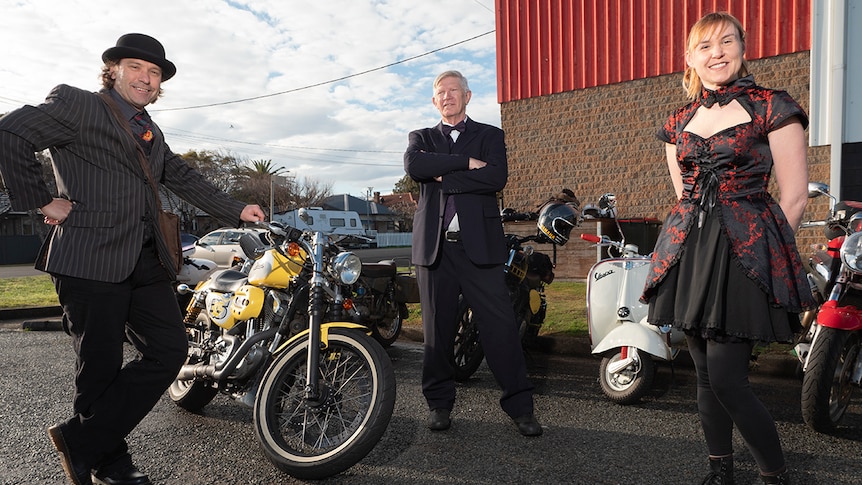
<point>528,426</point>
<point>438,419</point>
<point>128,476</point>
<point>78,473</point>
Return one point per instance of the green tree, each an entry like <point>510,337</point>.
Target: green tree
<point>253,182</point>
<point>406,185</point>
<point>221,169</point>
<point>258,184</point>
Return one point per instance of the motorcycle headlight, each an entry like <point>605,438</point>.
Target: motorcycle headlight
<point>855,222</point>
<point>347,267</point>
<point>851,251</point>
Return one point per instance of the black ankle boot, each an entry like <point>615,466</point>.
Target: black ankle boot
<point>722,471</point>
<point>782,478</point>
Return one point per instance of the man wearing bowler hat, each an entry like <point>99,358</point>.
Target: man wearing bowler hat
<point>105,251</point>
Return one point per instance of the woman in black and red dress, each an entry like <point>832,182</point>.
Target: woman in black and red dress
<point>725,269</point>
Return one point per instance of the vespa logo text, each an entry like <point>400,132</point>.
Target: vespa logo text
<point>599,276</point>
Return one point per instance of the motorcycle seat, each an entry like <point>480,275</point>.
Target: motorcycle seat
<point>382,269</point>
<point>229,280</point>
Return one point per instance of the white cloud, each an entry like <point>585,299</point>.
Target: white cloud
<point>232,50</point>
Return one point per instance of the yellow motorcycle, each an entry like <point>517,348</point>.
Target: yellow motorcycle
<point>273,335</point>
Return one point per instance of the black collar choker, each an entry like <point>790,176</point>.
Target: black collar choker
<point>726,94</point>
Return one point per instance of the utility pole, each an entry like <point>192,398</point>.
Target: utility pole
<point>272,180</point>
<point>368,207</point>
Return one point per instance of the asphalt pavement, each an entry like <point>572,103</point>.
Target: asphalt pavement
<point>588,440</point>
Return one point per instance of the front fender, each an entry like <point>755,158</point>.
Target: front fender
<point>841,318</point>
<point>637,335</point>
<point>324,334</point>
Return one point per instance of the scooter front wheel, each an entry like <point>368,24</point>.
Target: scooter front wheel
<point>629,384</point>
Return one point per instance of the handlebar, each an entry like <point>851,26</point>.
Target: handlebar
<point>287,232</point>
<point>805,224</point>
<point>593,238</point>
<point>626,250</point>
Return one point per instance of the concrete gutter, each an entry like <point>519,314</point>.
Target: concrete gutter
<point>35,318</point>
<point>779,365</point>
<point>49,319</point>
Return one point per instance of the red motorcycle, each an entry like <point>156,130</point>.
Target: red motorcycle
<point>833,364</point>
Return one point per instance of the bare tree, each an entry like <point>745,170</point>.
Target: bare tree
<point>311,192</point>
<point>405,208</point>
<point>257,185</point>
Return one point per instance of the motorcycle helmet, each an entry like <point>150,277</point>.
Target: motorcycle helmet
<point>556,221</point>
<point>606,208</point>
<point>608,205</point>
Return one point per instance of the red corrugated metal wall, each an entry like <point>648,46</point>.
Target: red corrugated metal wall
<point>553,46</point>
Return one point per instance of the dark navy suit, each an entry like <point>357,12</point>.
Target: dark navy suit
<point>472,266</point>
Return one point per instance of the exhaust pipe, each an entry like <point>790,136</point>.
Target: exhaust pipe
<point>218,373</point>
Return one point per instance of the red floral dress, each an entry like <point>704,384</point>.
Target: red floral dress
<point>726,262</point>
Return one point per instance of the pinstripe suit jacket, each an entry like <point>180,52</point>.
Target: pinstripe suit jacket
<point>96,167</point>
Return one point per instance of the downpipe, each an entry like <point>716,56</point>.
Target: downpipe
<point>209,371</point>
<point>220,373</point>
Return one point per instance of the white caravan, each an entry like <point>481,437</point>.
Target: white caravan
<point>339,223</point>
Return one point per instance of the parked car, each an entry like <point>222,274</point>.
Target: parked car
<point>222,245</point>
<point>187,239</point>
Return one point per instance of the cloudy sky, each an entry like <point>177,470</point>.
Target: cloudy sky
<point>327,89</point>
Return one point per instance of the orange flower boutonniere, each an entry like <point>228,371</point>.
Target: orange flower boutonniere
<point>148,136</point>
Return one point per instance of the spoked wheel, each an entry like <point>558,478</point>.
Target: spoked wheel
<point>387,329</point>
<point>826,385</point>
<point>314,439</point>
<point>192,394</point>
<point>467,352</point>
<point>629,384</point>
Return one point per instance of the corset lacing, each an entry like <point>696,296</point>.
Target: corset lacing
<point>704,190</point>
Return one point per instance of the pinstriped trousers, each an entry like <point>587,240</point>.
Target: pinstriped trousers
<point>111,398</point>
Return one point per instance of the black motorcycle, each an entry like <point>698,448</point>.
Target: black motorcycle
<point>379,300</point>
<point>527,273</point>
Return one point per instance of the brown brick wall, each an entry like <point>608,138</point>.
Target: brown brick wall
<point>602,139</point>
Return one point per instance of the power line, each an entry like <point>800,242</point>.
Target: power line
<point>176,132</point>
<point>302,153</point>
<point>330,81</point>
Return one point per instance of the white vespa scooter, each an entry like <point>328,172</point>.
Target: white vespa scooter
<point>619,332</point>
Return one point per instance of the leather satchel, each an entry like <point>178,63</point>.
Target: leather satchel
<point>169,223</point>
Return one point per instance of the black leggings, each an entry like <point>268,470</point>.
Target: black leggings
<point>725,398</point>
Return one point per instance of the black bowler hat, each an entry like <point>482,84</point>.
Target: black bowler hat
<point>140,46</point>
